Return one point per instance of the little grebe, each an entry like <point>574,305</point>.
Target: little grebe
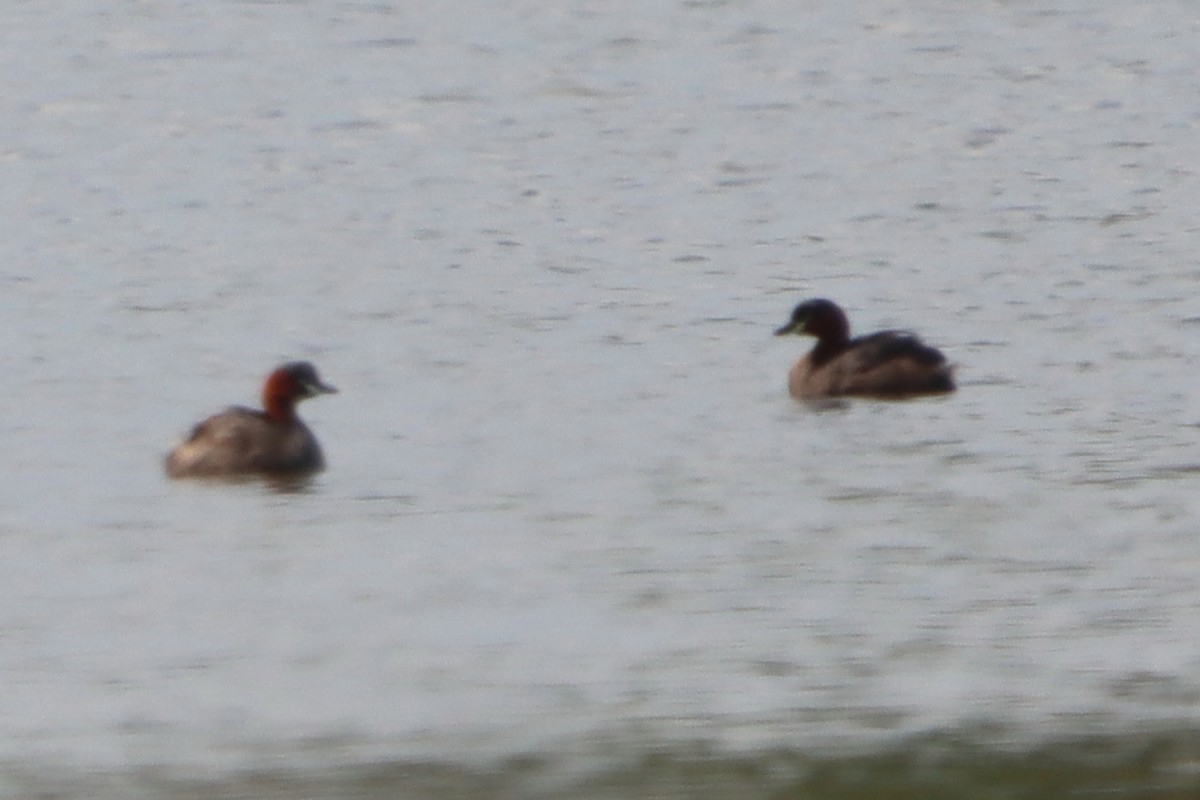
<point>242,441</point>
<point>888,364</point>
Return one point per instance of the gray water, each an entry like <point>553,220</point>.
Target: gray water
<point>575,539</point>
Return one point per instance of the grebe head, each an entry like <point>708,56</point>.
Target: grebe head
<point>290,384</point>
<point>820,318</point>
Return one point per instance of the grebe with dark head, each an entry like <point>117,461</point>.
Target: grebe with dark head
<point>887,364</point>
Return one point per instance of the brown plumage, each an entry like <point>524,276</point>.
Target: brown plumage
<point>888,364</point>
<point>243,441</point>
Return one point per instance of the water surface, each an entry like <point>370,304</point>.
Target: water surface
<point>575,538</point>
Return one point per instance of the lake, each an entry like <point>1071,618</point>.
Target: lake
<point>575,538</point>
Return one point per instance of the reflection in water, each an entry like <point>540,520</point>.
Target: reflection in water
<point>279,483</point>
